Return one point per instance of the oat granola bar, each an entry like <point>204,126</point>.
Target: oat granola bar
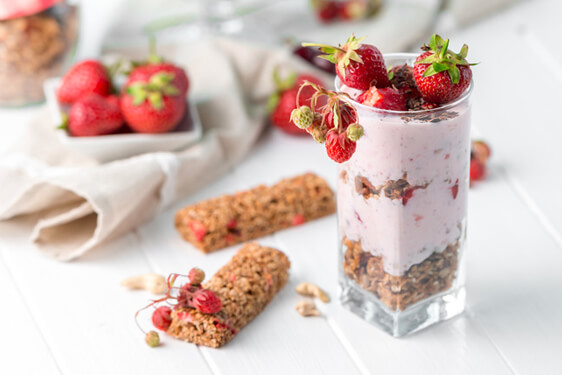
<point>245,285</point>
<point>230,219</point>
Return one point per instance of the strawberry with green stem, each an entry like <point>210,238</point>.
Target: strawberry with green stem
<point>358,65</point>
<point>153,106</point>
<point>286,98</point>
<point>440,74</point>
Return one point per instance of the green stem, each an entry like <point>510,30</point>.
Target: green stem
<point>339,49</point>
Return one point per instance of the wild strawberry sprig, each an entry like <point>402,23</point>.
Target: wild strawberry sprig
<point>190,295</point>
<point>335,124</point>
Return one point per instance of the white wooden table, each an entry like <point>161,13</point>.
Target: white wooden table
<point>74,318</point>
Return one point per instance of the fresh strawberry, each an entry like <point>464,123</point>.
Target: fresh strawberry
<point>481,150</point>
<point>84,78</point>
<point>386,98</point>
<point>339,147</point>
<point>93,115</point>
<point>347,116</point>
<point>144,72</point>
<point>477,170</point>
<point>284,100</point>
<point>326,10</point>
<point>442,75</point>
<point>353,9</point>
<point>358,66</point>
<point>153,106</point>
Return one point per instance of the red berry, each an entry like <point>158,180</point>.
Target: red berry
<point>327,11</point>
<point>481,150</point>
<point>448,74</point>
<point>198,228</point>
<point>287,101</point>
<point>408,194</point>
<point>339,147</point>
<point>348,116</point>
<point>354,9</point>
<point>386,98</point>
<point>231,224</point>
<point>144,72</point>
<point>162,318</point>
<point>84,78</point>
<point>298,219</point>
<point>153,106</point>
<point>94,115</point>
<point>196,276</point>
<point>477,170</point>
<point>206,301</point>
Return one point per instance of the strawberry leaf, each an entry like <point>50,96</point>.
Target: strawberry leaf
<point>64,124</point>
<point>454,74</point>
<point>155,99</point>
<point>272,102</point>
<point>139,97</point>
<point>170,90</point>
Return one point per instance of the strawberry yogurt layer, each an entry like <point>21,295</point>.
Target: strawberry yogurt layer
<point>403,193</point>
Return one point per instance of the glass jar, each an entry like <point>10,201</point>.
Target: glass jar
<point>402,202</point>
<point>37,38</point>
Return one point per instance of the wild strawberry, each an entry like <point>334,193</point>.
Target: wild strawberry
<point>339,147</point>
<point>198,228</point>
<point>84,78</point>
<point>196,276</point>
<point>477,170</point>
<point>302,117</point>
<point>206,301</point>
<point>162,318</point>
<point>354,132</point>
<point>298,219</point>
<point>481,150</point>
<point>153,106</point>
<point>386,98</point>
<point>442,75</point>
<point>342,118</point>
<point>152,339</point>
<point>359,66</point>
<point>402,79</point>
<point>284,100</point>
<point>93,115</point>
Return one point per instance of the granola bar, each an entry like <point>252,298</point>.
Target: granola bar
<point>230,219</point>
<point>245,285</point>
<point>434,275</point>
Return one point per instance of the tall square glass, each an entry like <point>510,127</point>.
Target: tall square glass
<point>402,202</point>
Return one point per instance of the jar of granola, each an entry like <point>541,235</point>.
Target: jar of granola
<point>402,201</point>
<point>37,37</point>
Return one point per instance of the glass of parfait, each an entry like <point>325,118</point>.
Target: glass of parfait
<point>402,203</point>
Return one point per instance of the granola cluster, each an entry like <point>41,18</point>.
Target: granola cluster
<point>392,189</point>
<point>434,275</point>
<point>245,285</point>
<point>230,219</point>
<point>32,49</point>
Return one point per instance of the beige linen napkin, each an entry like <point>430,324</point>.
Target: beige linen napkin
<point>83,204</point>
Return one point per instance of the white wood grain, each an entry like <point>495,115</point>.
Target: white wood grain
<point>85,316</point>
<point>20,338</point>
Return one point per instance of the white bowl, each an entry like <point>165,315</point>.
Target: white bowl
<point>105,148</point>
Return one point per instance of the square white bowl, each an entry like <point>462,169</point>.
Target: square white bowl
<point>105,148</point>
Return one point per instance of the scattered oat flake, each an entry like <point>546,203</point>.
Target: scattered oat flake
<point>151,282</point>
<point>311,290</point>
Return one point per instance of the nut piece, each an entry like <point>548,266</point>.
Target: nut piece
<point>312,290</point>
<point>151,282</point>
<point>307,308</point>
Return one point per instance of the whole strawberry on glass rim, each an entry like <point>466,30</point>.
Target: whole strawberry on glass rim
<point>440,74</point>
<point>358,65</point>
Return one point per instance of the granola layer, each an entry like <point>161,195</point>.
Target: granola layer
<point>245,285</point>
<point>434,275</point>
<point>230,219</point>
